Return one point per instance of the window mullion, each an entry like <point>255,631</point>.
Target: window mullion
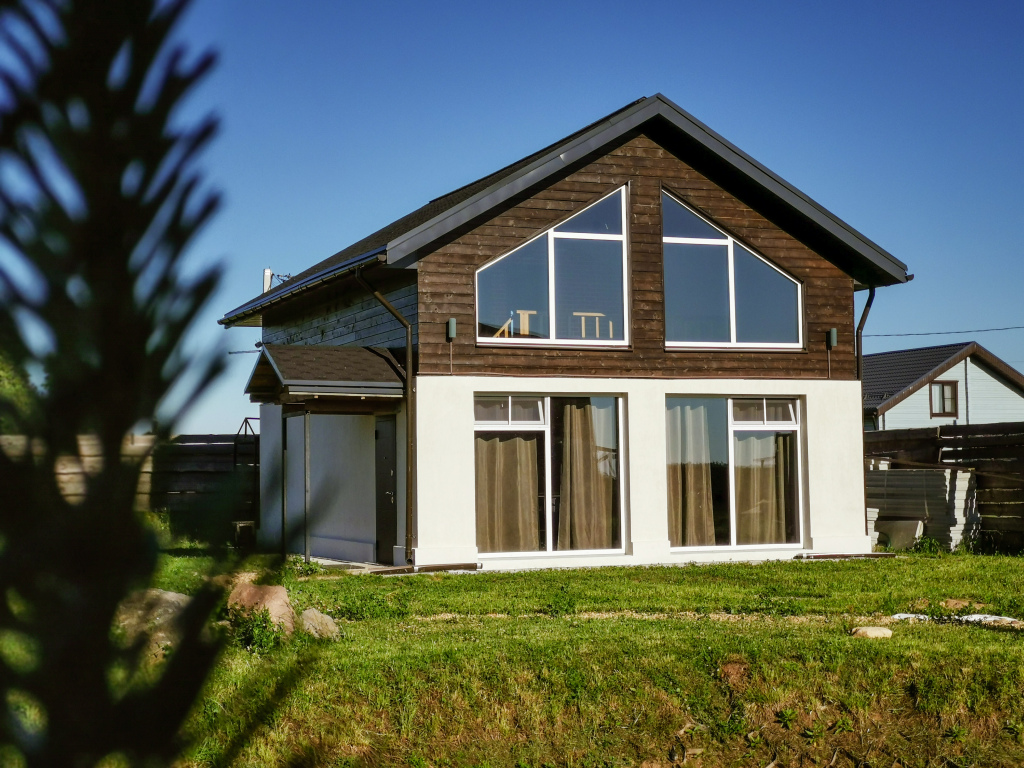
<point>625,271</point>
<point>732,474</point>
<point>732,295</point>
<point>552,332</point>
<point>548,512</point>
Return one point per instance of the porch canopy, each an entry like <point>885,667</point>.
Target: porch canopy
<point>322,379</point>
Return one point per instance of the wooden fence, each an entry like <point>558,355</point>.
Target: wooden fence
<point>994,451</point>
<point>203,482</point>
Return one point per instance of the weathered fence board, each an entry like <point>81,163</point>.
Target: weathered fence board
<point>203,482</point>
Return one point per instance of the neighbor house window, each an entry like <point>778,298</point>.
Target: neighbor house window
<point>718,292</point>
<point>548,474</point>
<point>564,286</point>
<point>733,471</point>
<point>944,398</point>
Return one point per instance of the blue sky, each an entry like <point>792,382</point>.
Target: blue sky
<point>903,119</point>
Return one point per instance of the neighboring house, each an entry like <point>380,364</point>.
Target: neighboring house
<point>934,386</point>
<point>621,351</point>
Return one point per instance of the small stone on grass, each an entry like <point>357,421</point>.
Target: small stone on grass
<point>318,624</point>
<point>872,633</point>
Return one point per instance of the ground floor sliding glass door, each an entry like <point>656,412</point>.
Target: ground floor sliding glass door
<point>548,474</point>
<point>733,471</point>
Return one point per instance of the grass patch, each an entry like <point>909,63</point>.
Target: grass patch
<point>787,588</point>
<point>603,667</point>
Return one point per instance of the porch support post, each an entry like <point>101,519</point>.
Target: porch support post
<point>305,510</point>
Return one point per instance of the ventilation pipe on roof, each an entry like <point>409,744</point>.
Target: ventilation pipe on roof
<point>410,412</point>
<point>860,333</point>
<point>268,278</point>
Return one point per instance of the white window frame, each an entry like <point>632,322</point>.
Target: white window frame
<point>551,236</point>
<point>516,426</point>
<point>731,242</point>
<point>752,426</point>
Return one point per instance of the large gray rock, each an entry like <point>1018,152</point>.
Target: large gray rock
<point>318,624</point>
<point>152,613</point>
<point>248,598</point>
<point>873,633</point>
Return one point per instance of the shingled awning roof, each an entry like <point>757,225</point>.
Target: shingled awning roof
<point>288,373</point>
<point>891,377</point>
<point>402,242</point>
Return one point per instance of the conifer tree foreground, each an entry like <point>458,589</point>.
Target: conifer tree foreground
<point>99,200</point>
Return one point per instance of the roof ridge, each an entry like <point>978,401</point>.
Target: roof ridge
<point>405,238</point>
<point>540,152</point>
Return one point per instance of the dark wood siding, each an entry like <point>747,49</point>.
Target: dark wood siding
<point>446,281</point>
<point>344,315</point>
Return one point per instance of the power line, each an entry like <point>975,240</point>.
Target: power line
<point>945,333</point>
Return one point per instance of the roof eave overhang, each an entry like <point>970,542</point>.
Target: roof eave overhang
<point>250,314</point>
<point>884,269</point>
<point>291,390</point>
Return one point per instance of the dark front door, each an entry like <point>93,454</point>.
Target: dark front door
<point>387,489</point>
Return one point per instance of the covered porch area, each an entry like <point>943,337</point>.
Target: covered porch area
<point>332,452</point>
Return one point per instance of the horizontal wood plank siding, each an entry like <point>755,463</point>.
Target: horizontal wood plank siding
<point>992,399</point>
<point>446,281</point>
<point>347,318</point>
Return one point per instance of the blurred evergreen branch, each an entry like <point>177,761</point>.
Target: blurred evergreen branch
<point>99,201</point>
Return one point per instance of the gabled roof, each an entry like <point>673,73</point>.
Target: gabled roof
<point>404,241</point>
<point>285,371</point>
<point>891,377</point>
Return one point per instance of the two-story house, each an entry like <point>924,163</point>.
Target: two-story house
<point>636,345</point>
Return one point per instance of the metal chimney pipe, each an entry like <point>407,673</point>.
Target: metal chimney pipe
<point>268,277</point>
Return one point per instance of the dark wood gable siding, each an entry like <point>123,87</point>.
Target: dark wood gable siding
<point>446,281</point>
<point>344,315</point>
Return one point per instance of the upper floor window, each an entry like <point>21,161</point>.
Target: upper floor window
<point>943,396</point>
<point>565,286</point>
<point>718,292</point>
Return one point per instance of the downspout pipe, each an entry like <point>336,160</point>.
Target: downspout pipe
<point>410,412</point>
<point>860,333</point>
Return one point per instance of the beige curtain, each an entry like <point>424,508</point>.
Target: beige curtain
<point>587,516</point>
<point>507,493</point>
<point>691,521</point>
<point>764,492</point>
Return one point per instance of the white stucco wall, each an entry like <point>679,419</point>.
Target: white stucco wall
<point>982,398</point>
<point>832,450</point>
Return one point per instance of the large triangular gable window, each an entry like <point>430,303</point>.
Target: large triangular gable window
<point>719,293</point>
<point>565,286</point>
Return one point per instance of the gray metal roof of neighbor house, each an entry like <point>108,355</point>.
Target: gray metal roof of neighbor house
<point>325,370</point>
<point>402,242</point>
<point>891,377</point>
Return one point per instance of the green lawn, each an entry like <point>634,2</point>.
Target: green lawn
<point>600,667</point>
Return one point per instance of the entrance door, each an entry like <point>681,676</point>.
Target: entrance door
<point>387,489</point>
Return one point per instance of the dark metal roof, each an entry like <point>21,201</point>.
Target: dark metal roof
<point>295,369</point>
<point>891,377</point>
<point>406,240</point>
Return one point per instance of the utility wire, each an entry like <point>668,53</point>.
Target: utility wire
<point>945,333</point>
